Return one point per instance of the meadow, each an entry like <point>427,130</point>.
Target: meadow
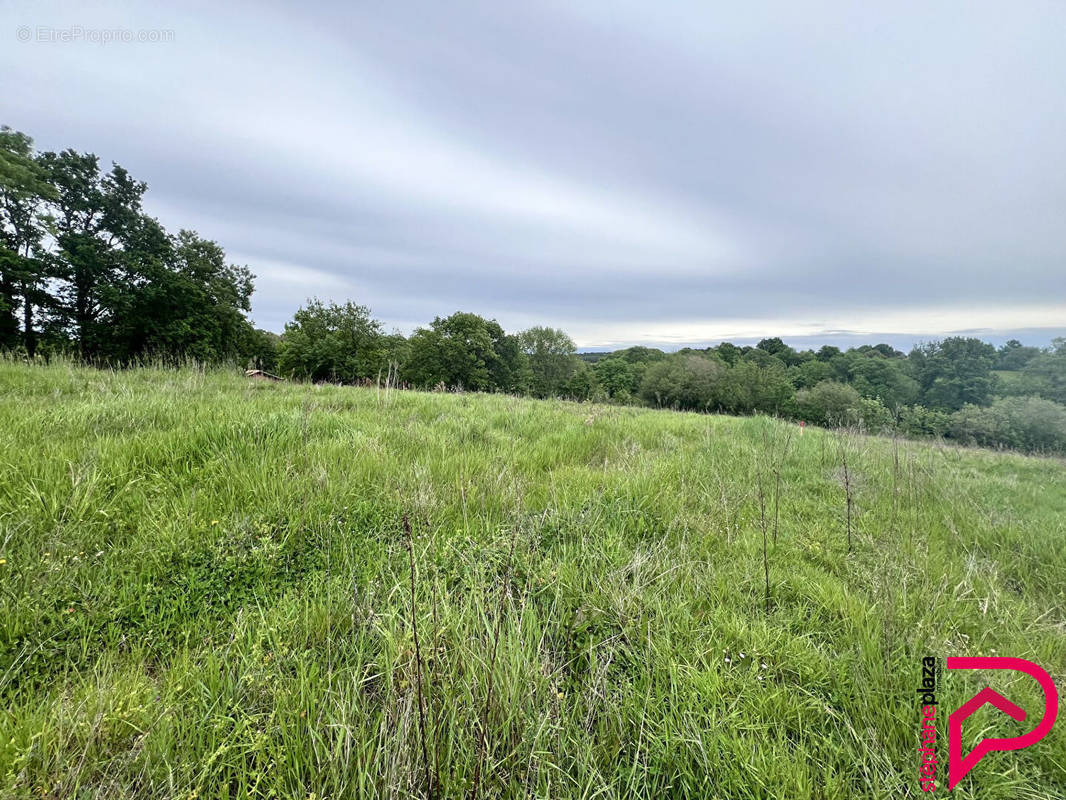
<point>207,591</point>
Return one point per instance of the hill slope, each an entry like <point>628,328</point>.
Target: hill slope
<point>207,593</point>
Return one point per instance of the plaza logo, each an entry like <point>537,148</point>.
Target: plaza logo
<point>958,764</point>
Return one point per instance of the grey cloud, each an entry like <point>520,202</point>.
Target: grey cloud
<point>593,165</point>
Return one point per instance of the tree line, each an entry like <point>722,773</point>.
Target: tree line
<point>86,272</point>
<point>958,387</point>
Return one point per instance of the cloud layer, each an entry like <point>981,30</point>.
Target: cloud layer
<point>622,170</point>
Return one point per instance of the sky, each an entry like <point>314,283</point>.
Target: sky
<point>632,172</point>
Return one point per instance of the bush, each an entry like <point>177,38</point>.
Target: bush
<point>829,403</point>
<point>874,415</point>
<point>1032,424</point>
<point>918,420</point>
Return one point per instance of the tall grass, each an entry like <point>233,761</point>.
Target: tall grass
<point>206,590</point>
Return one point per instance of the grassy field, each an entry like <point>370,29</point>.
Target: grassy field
<point>206,592</point>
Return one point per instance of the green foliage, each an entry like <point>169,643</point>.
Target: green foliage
<point>829,403</point>
<point>729,353</point>
<point>552,363</point>
<point>954,372</point>
<point>885,379</point>
<point>582,383</point>
<point>260,349</point>
<point>810,373</point>
<point>465,351</point>
<point>917,420</point>
<point>684,381</point>
<point>778,348</point>
<point>184,301</point>
<point>617,378</point>
<point>874,416</point>
<point>24,221</point>
<point>336,343</point>
<point>87,270</point>
<point>1030,424</point>
<point>1014,355</point>
<point>757,384</point>
<point>1045,374</point>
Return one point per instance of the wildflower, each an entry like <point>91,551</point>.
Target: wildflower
<point>214,522</point>
<point>3,561</point>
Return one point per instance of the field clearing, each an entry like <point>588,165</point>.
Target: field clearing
<point>206,593</point>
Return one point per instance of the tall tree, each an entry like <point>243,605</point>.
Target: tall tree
<point>178,299</point>
<point>684,381</point>
<point>552,359</point>
<point>954,372</point>
<point>466,351</point>
<point>24,192</point>
<point>97,218</point>
<point>331,342</point>
<point>1045,375</point>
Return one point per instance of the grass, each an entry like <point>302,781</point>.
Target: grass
<point>206,592</point>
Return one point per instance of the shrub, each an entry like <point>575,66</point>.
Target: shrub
<point>1033,424</point>
<point>873,415</point>
<point>829,403</point>
<point>918,420</point>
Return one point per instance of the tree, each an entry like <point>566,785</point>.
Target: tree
<point>1015,356</point>
<point>552,362</point>
<point>776,347</point>
<point>728,352</point>
<point>640,355</point>
<point>616,377</point>
<point>1045,375</point>
<point>684,381</point>
<point>24,220</point>
<point>339,343</point>
<point>581,384</point>
<point>260,349</point>
<point>756,384</point>
<point>883,378</point>
<point>510,372</point>
<point>810,373</point>
<point>96,217</point>
<point>177,298</point>
<point>827,353</point>
<point>954,372</point>
<point>469,352</point>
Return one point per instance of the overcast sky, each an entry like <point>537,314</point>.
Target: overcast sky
<point>629,171</point>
